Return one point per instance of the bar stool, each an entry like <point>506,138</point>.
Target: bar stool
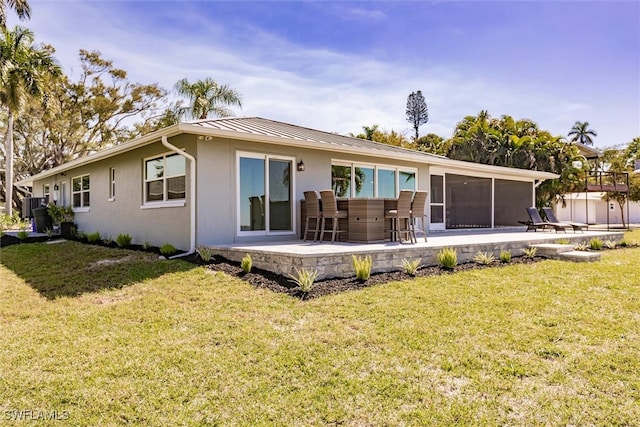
<point>312,204</point>
<point>401,217</point>
<point>330,211</point>
<point>418,206</point>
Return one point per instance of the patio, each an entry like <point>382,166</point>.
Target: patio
<point>335,260</point>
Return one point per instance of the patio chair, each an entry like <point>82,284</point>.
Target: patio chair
<point>330,211</point>
<point>418,206</point>
<point>551,217</point>
<point>401,217</point>
<point>312,204</point>
<point>537,223</point>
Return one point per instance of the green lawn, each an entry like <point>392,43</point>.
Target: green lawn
<point>149,342</point>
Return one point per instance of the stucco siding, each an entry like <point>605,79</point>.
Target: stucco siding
<point>124,213</point>
<point>218,184</point>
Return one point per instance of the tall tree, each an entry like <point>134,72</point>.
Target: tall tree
<point>417,112</point>
<point>84,116</point>
<point>24,67</point>
<point>519,144</point>
<point>207,97</point>
<point>432,143</point>
<point>581,133</point>
<point>20,7</point>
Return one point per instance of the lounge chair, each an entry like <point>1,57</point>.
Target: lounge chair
<point>536,223</point>
<point>551,216</point>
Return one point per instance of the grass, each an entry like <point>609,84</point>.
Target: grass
<point>551,343</point>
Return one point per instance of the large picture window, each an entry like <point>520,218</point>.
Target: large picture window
<point>356,180</point>
<point>165,178</point>
<point>81,191</point>
<point>266,190</point>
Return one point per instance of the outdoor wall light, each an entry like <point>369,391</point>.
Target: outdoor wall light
<point>300,166</point>
<point>56,187</point>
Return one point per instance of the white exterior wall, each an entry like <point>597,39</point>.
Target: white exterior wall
<point>574,210</point>
<point>125,214</point>
<point>217,209</point>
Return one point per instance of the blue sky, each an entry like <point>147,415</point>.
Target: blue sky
<point>339,65</point>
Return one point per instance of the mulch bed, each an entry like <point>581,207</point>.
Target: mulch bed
<point>283,284</point>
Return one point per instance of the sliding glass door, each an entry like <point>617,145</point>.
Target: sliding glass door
<point>265,203</point>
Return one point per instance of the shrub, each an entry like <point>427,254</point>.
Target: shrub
<point>411,267</point>
<point>362,266</point>
<point>146,245</point>
<point>595,244</point>
<point>563,241</point>
<point>49,233</point>
<point>168,249</point>
<point>60,214</point>
<point>530,252</point>
<point>10,221</point>
<point>107,241</point>
<point>448,258</point>
<point>610,244</point>
<point>205,253</point>
<point>123,240</point>
<point>304,279</point>
<point>484,258</point>
<point>624,244</point>
<point>505,257</point>
<point>93,237</point>
<point>80,235</point>
<point>247,263</point>
<point>581,247</point>
<point>23,234</point>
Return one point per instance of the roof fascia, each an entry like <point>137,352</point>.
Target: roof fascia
<point>101,155</point>
<point>419,157</point>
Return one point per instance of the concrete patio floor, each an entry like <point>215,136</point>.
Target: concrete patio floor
<point>335,259</point>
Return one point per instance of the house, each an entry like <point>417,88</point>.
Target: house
<point>238,180</point>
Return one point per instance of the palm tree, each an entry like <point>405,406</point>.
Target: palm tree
<point>207,97</point>
<point>23,69</point>
<point>21,7</point>
<point>581,133</point>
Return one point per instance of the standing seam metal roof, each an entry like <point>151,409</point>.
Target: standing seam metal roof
<point>270,128</point>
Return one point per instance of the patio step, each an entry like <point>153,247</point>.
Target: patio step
<point>565,252</point>
<point>580,256</point>
<point>552,250</point>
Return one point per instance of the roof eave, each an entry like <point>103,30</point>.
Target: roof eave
<point>101,155</point>
<point>416,156</point>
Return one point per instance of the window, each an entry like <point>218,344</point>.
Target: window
<point>387,183</point>
<point>46,192</point>
<point>354,180</point>
<point>80,189</point>
<point>165,178</point>
<point>63,194</point>
<point>112,184</point>
<point>365,185</point>
<point>437,199</point>
<point>266,190</point>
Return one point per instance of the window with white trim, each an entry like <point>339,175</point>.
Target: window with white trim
<point>46,192</point>
<point>362,180</point>
<point>265,189</point>
<point>165,178</point>
<point>80,191</point>
<point>112,183</point>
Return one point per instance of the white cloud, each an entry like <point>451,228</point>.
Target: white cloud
<point>283,80</point>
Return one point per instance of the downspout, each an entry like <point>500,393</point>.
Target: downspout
<point>192,195</point>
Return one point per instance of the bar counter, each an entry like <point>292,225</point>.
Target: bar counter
<point>365,222</point>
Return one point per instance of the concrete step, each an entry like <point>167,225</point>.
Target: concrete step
<point>579,256</point>
<point>551,250</point>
